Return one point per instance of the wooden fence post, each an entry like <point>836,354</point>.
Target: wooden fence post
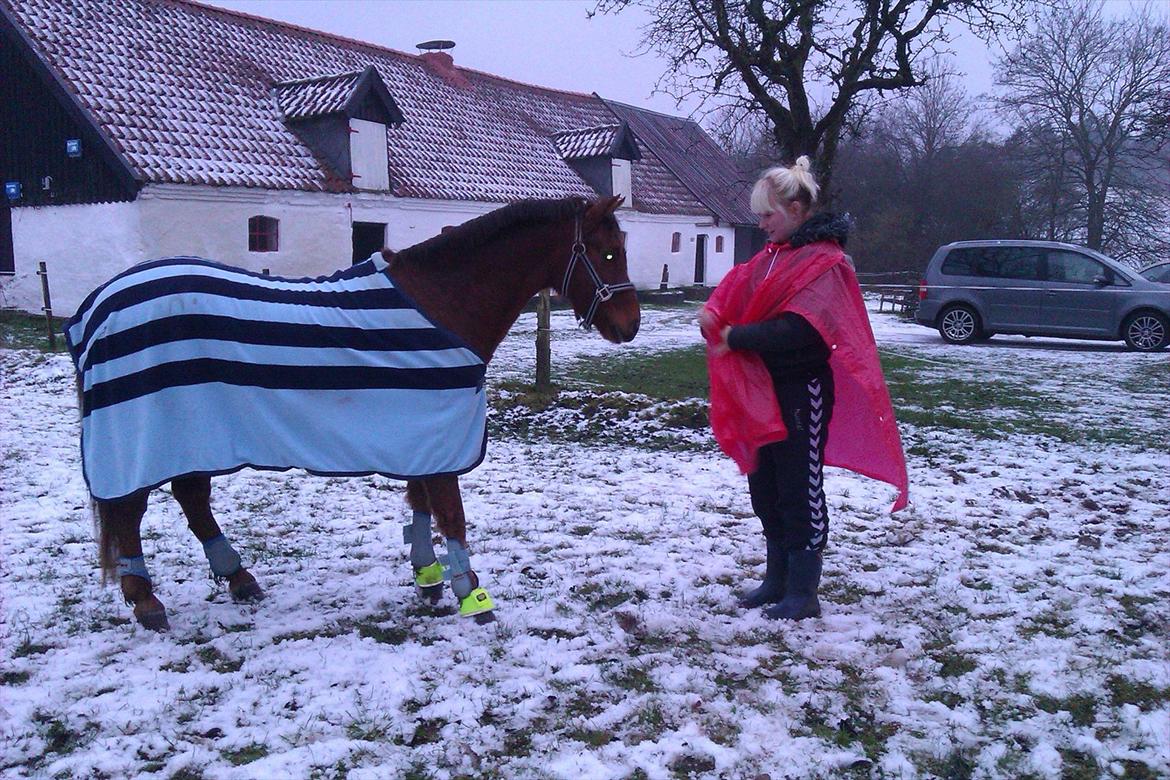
<point>47,308</point>
<point>543,344</point>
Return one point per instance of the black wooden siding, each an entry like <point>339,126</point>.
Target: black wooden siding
<point>36,119</point>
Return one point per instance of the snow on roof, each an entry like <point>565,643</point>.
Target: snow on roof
<point>586,142</point>
<point>197,95</point>
<point>314,97</point>
<point>689,153</point>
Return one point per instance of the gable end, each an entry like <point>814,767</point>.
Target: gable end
<point>37,116</point>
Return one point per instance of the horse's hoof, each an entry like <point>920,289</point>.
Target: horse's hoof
<point>431,594</point>
<point>152,619</point>
<point>476,604</point>
<point>243,587</point>
<point>483,618</point>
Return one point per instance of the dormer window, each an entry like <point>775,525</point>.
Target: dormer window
<point>367,154</point>
<point>620,169</point>
<point>263,234</point>
<point>343,119</point>
<point>602,157</point>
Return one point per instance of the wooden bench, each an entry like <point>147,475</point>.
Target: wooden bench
<point>900,299</point>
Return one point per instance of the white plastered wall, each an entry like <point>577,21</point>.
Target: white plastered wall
<point>648,246</point>
<point>86,245</point>
<point>81,246</point>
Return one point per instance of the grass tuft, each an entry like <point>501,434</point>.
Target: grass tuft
<point>246,754</point>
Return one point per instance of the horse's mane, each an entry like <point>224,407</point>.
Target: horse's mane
<point>471,236</point>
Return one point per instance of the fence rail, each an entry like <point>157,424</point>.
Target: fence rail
<point>896,289</point>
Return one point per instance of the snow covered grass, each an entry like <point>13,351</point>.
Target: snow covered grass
<point>1011,623</point>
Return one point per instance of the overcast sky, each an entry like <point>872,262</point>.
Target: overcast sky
<point>552,43</point>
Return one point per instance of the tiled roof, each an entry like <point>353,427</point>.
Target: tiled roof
<point>587,142</point>
<point>314,97</point>
<point>690,154</point>
<point>195,95</point>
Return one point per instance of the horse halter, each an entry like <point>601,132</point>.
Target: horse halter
<point>602,291</point>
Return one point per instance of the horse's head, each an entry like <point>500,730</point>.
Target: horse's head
<point>596,279</point>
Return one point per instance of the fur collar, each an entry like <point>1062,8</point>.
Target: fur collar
<point>821,227</point>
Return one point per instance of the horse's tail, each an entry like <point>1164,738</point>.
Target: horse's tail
<point>107,543</point>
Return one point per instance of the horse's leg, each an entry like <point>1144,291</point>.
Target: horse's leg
<point>121,552</point>
<point>447,506</point>
<point>194,496</point>
<point>428,572</point>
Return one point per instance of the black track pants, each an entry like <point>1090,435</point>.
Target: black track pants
<point>787,487</point>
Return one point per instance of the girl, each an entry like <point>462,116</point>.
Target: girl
<point>796,383</point>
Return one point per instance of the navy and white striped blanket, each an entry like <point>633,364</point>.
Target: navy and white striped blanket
<point>188,366</point>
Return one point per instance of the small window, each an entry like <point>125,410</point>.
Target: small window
<point>263,234</point>
<point>676,242</point>
<point>718,243</point>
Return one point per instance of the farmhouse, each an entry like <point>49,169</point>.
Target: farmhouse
<point>145,128</point>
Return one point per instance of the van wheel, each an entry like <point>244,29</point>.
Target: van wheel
<point>1146,331</point>
<point>959,324</point>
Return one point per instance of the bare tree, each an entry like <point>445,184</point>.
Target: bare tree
<point>1095,91</point>
<point>924,173</point>
<point>933,117</point>
<point>1049,205</point>
<point>806,65</point>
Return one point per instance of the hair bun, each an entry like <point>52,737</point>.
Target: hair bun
<point>802,163</point>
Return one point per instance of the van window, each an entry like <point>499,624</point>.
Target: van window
<point>960,262</point>
<point>1003,262</point>
<point>1065,266</point>
<point>1017,263</point>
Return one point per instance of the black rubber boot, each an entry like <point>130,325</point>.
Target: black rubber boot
<point>800,600</point>
<point>771,590</point>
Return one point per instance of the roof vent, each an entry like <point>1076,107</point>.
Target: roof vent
<point>435,45</point>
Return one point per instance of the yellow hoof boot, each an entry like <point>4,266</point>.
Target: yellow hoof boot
<point>429,576</point>
<point>476,603</point>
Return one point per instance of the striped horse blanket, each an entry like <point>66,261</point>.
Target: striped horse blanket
<point>188,366</point>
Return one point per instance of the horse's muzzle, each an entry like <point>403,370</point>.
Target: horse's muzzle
<point>620,332</point>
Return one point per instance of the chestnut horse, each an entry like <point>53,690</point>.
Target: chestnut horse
<point>471,281</point>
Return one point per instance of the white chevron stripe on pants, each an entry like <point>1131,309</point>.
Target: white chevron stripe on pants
<point>787,488</point>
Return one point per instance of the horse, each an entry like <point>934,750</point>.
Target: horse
<point>205,386</point>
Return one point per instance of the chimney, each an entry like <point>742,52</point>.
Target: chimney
<point>442,64</point>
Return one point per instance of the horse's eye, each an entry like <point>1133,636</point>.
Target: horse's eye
<point>609,255</point>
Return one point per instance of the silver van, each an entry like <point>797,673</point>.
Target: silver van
<point>975,289</point>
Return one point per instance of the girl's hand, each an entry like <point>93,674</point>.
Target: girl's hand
<point>707,319</point>
<point>722,347</point>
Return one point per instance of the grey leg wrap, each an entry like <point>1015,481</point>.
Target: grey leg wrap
<point>135,566</point>
<point>418,535</point>
<point>458,566</point>
<point>224,560</point>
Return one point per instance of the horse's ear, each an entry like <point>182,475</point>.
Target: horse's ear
<point>600,209</point>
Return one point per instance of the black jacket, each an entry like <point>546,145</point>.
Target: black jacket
<point>790,347</point>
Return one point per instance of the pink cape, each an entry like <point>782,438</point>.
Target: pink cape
<point>817,282</point>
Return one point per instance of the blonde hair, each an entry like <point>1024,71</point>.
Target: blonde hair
<point>779,185</point>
